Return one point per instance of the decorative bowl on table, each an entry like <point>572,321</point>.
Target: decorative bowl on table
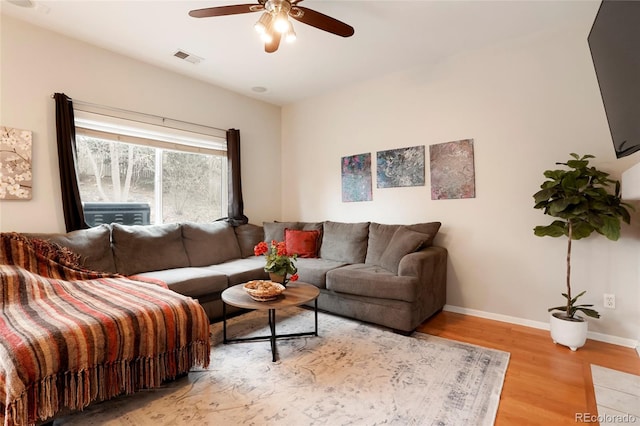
<point>263,290</point>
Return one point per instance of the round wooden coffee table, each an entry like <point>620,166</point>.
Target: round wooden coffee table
<point>296,294</point>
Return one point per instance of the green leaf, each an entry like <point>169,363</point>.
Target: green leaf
<point>555,175</point>
<point>624,213</point>
<point>610,228</point>
<point>543,195</point>
<point>569,181</point>
<point>549,230</point>
<point>581,208</point>
<point>550,184</point>
<point>577,164</point>
<point>581,230</point>
<point>576,298</point>
<point>559,205</point>
<point>589,312</point>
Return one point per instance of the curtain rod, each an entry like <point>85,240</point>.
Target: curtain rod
<point>89,104</point>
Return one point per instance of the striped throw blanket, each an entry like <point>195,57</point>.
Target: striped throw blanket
<point>69,336</point>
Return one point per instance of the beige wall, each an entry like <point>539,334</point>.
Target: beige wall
<point>527,104</point>
<point>37,63</point>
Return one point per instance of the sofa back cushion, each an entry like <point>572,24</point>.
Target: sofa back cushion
<point>248,236</point>
<point>403,242</point>
<point>275,230</point>
<point>144,248</point>
<point>210,243</point>
<point>428,228</point>
<point>344,242</point>
<point>379,237</point>
<point>386,245</point>
<point>313,226</point>
<point>93,245</point>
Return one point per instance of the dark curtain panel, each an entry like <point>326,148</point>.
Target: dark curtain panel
<point>66,135</point>
<point>236,205</point>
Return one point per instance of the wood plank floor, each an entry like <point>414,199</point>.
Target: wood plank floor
<point>545,384</point>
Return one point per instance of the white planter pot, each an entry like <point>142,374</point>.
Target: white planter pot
<point>569,333</point>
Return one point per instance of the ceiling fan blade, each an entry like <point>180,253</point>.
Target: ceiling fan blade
<point>273,45</point>
<point>321,21</point>
<point>225,10</point>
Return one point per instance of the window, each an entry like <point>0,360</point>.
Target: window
<point>133,171</point>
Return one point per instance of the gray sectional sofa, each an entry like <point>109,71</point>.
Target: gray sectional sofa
<point>391,275</point>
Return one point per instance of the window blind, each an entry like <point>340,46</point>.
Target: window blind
<point>140,129</point>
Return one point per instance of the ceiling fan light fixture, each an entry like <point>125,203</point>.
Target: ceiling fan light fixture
<point>266,37</point>
<point>290,35</point>
<point>281,24</point>
<point>274,23</point>
<point>263,23</point>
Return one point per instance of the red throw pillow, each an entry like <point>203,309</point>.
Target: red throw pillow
<point>302,243</point>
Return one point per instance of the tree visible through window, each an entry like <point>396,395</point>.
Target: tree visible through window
<point>192,187</point>
<point>177,185</point>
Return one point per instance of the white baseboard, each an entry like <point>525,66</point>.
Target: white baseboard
<point>607,338</point>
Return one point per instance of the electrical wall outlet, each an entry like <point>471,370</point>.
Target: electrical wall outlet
<point>609,301</point>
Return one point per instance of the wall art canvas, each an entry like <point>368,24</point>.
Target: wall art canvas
<point>15,164</point>
<point>452,170</point>
<point>356,178</point>
<point>400,167</point>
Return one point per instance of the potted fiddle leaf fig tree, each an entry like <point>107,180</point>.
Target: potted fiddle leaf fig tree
<point>579,198</point>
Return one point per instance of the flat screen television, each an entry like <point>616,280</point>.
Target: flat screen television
<point>614,41</point>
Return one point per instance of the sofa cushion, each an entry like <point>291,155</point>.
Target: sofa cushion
<point>275,230</point>
<point>192,282</point>
<point>210,243</point>
<point>143,248</point>
<point>314,271</point>
<point>93,245</point>
<point>379,237</point>
<point>372,281</point>
<point>248,236</point>
<point>429,228</point>
<point>403,242</point>
<point>310,226</point>
<point>302,243</point>
<point>344,242</point>
<point>239,271</point>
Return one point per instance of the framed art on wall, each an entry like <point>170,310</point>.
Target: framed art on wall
<point>15,164</point>
<point>452,170</point>
<point>400,167</point>
<point>356,178</point>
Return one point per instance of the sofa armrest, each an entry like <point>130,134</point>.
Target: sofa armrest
<point>430,266</point>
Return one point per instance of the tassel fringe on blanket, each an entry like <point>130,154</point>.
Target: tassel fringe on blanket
<point>76,390</point>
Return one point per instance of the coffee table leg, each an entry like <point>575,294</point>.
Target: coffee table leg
<point>272,325</point>
<point>224,322</point>
<point>316,315</point>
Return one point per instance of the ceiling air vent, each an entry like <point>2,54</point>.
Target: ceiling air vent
<point>188,57</point>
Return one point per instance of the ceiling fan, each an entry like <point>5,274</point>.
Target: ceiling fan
<point>274,23</point>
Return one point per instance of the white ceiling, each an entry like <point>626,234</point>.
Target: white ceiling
<point>389,36</point>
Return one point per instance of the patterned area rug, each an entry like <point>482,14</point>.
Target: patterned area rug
<point>352,374</point>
